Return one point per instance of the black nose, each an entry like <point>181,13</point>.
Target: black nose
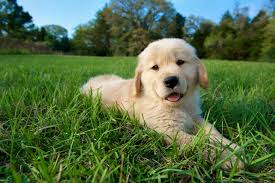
<point>171,81</point>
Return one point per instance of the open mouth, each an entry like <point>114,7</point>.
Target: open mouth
<point>174,97</point>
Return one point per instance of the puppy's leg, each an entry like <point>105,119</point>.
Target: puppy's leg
<point>173,133</point>
<point>217,139</point>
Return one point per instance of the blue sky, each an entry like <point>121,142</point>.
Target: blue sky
<point>70,13</point>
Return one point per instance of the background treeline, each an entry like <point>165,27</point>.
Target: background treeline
<point>126,27</point>
<point>18,34</point>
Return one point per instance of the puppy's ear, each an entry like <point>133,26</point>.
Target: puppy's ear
<point>137,83</point>
<point>202,76</point>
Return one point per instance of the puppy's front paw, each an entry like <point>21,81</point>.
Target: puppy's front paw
<point>233,160</point>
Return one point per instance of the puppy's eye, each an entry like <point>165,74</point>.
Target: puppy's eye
<point>180,62</point>
<point>155,67</point>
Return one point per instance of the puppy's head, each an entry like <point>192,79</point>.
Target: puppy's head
<point>169,70</point>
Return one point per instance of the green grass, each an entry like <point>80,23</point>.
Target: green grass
<point>49,132</point>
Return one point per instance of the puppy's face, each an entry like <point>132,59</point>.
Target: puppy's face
<point>168,70</point>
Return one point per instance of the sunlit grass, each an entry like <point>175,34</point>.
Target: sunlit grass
<point>50,132</point>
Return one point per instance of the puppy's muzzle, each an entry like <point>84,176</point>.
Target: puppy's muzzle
<point>171,81</point>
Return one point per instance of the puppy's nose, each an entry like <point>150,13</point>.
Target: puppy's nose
<point>171,81</point>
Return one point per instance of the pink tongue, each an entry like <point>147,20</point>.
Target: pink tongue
<point>173,97</point>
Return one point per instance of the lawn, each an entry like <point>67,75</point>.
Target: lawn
<point>49,132</point>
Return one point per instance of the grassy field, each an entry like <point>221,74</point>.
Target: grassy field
<point>49,132</point>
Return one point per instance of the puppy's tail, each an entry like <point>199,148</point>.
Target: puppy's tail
<point>97,82</point>
<point>86,88</point>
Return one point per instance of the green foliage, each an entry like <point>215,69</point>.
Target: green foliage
<point>256,34</point>
<point>220,43</point>
<point>57,37</point>
<point>49,132</point>
<point>17,46</point>
<point>14,51</point>
<point>57,32</point>
<point>199,37</point>
<point>268,48</point>
<point>93,38</point>
<point>238,38</point>
<point>81,42</point>
<point>138,40</point>
<point>101,35</point>
<point>16,24</point>
<point>14,21</point>
<point>175,28</point>
<point>140,13</point>
<point>126,27</point>
<point>192,24</point>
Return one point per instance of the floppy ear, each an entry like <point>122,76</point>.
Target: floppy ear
<point>202,76</point>
<point>137,83</point>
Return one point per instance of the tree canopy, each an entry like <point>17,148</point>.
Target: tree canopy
<point>14,21</point>
<point>126,28</point>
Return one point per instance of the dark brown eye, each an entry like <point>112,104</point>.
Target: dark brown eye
<point>155,67</point>
<point>180,62</point>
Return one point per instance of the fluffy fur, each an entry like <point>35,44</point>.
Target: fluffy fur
<point>146,97</point>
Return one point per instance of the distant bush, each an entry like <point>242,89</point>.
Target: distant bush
<point>16,46</point>
<point>14,52</point>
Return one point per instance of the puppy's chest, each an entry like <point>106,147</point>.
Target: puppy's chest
<point>157,118</point>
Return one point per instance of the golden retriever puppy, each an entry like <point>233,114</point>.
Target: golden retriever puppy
<point>164,94</point>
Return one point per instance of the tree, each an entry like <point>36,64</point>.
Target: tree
<point>175,28</point>
<point>141,13</point>
<point>230,40</point>
<point>268,47</point>
<point>161,29</point>
<point>192,24</point>
<point>227,22</point>
<point>38,34</point>
<point>14,21</point>
<point>256,34</point>
<point>42,34</point>
<point>94,37</point>
<point>220,42</point>
<point>199,37</point>
<point>82,40</point>
<point>126,27</point>
<point>131,15</point>
<point>57,32</point>
<point>57,37</point>
<point>138,40</point>
<point>241,18</point>
<point>270,8</point>
<point>101,34</point>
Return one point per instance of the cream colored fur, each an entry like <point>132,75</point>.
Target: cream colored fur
<point>145,95</point>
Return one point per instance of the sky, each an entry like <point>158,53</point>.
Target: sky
<point>71,13</point>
